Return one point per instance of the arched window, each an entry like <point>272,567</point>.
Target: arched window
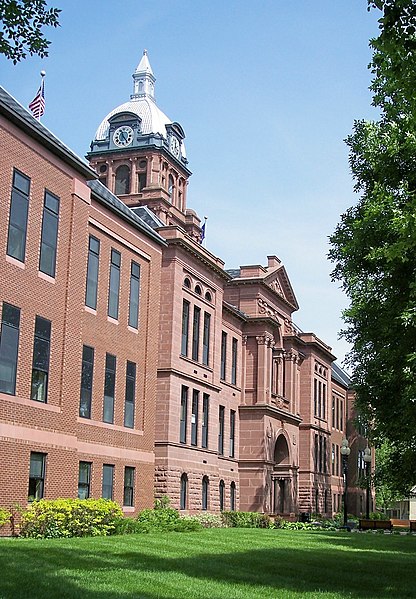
<point>184,491</point>
<point>205,488</point>
<point>122,180</point>
<point>232,496</point>
<point>198,289</point>
<point>222,494</point>
<point>281,451</point>
<point>208,296</point>
<point>187,282</point>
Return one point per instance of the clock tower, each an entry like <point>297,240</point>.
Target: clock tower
<point>139,154</point>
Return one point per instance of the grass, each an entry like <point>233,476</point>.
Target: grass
<point>216,563</point>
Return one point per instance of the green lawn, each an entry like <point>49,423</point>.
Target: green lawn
<point>229,563</point>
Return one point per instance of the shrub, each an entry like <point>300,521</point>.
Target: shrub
<point>246,520</point>
<point>378,516</point>
<point>46,519</point>
<point>165,519</point>
<point>208,520</point>
<point>5,516</point>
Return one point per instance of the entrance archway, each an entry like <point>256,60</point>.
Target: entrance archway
<point>281,477</point>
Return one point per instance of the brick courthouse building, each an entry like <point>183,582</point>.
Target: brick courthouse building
<point>132,363</point>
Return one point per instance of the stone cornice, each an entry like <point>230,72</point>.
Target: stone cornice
<point>275,412</point>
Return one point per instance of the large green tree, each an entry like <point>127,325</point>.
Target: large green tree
<point>21,23</point>
<point>374,246</point>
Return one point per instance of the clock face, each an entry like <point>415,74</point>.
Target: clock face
<point>123,136</point>
<point>175,147</point>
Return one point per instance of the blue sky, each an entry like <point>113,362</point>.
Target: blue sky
<point>266,92</point>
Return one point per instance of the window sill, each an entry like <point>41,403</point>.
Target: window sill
<point>30,403</point>
<point>15,262</point>
<point>108,426</point>
<point>46,277</point>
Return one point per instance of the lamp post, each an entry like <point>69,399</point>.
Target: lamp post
<point>345,452</point>
<point>367,460</point>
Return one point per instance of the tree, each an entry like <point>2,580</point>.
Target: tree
<point>22,22</point>
<point>374,246</point>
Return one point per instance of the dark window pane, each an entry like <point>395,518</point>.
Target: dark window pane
<point>128,494</point>
<point>109,388</point>
<point>221,413</point>
<point>16,243</point>
<point>114,286</point>
<point>183,415</point>
<point>86,382</point>
<point>21,182</point>
<point>92,273</point>
<point>108,475</point>
<point>195,334</point>
<point>194,417</point>
<point>84,479</point>
<point>205,414</point>
<point>205,340</point>
<point>185,328</point>
<point>223,355</point>
<point>36,475</point>
<point>130,394</point>
<point>134,295</point>
<point>9,345</point>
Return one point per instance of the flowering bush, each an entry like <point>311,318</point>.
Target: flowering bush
<point>5,516</point>
<point>246,520</point>
<point>46,519</point>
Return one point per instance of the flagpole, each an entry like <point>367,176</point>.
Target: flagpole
<point>37,105</point>
<point>42,85</point>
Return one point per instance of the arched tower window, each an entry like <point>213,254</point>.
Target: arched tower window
<point>122,180</point>
<point>222,494</point>
<point>184,491</point>
<point>205,488</point>
<point>142,175</point>
<point>232,497</point>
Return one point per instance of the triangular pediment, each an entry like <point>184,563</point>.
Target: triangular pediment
<point>280,283</point>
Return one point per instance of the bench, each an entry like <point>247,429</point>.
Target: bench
<point>397,523</point>
<point>365,524</point>
<point>412,525</point>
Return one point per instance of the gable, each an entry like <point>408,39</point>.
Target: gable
<point>279,282</point>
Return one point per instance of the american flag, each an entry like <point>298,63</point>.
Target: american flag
<point>37,105</point>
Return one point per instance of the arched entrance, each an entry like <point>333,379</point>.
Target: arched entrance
<point>281,478</point>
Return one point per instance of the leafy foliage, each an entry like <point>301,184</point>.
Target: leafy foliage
<point>47,519</point>
<point>21,22</point>
<point>208,520</point>
<point>5,516</point>
<point>246,520</point>
<point>374,246</point>
<point>164,519</point>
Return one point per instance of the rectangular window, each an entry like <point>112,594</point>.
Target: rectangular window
<point>9,346</point>
<point>221,418</point>
<point>337,414</point>
<point>49,239</point>
<point>316,456</point>
<point>324,457</point>
<point>341,415</point>
<point>195,333</point>
<point>19,207</point>
<point>86,381</point>
<point>194,417</point>
<point>205,339</point>
<point>320,460</point>
<point>234,362</point>
<point>319,399</point>
<point>324,401</point>
<point>184,416</point>
<point>92,272</point>
<point>232,434</point>
<point>109,388</point>
<point>223,355</point>
<point>36,475</point>
<point>130,394</point>
<point>205,416</point>
<point>84,480</point>
<point>333,411</point>
<point>40,364</point>
<point>315,397</point>
<point>128,494</point>
<point>333,459</point>
<point>108,481</point>
<point>134,295</point>
<point>114,285</point>
<point>185,328</point>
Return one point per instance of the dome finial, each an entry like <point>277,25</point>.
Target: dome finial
<point>144,79</point>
